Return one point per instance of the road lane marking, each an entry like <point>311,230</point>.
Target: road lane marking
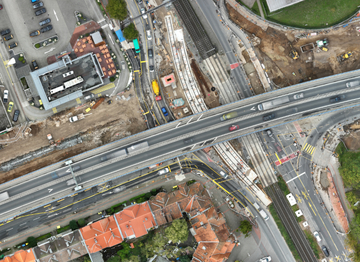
<point>61,200</point>
<point>112,41</point>
<point>47,205</point>
<point>9,229</point>
<point>279,161</point>
<point>294,177</point>
<point>312,209</point>
<point>36,218</point>
<point>56,15</point>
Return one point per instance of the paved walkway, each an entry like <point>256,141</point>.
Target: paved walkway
<point>261,10</point>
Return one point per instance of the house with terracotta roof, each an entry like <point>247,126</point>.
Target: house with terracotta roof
<point>101,234</point>
<point>136,220</point>
<point>20,256</point>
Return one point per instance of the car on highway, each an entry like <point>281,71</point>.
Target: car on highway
<point>10,107</point>
<point>233,128</point>
<point>40,11</point>
<point>151,68</point>
<point>35,33</point>
<point>8,37</point>
<point>317,236</point>
<point>228,116</point>
<point>189,141</point>
<point>223,174</point>
<point>269,117</point>
<point>143,11</point>
<point>148,34</point>
<point>16,115</point>
<point>265,259</point>
<point>269,132</point>
<point>40,4</point>
<point>13,45</point>
<point>34,64</point>
<point>150,53</point>
<point>325,250</point>
<point>46,28</point>
<point>5,32</point>
<point>45,22</point>
<point>6,96</point>
<point>335,99</point>
<point>163,109</point>
<point>298,96</point>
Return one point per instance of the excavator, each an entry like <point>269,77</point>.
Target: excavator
<point>293,53</point>
<point>344,57</point>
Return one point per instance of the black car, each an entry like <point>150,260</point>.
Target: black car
<point>8,37</point>
<point>150,52</point>
<point>269,117</point>
<point>325,250</point>
<point>13,45</point>
<point>40,4</point>
<point>35,33</point>
<point>44,22</point>
<point>335,99</point>
<point>16,115</point>
<point>46,28</point>
<point>5,32</point>
<point>40,11</point>
<point>34,64</point>
<point>151,68</point>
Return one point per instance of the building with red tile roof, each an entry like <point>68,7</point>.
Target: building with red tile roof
<point>20,256</point>
<point>101,234</point>
<point>136,220</point>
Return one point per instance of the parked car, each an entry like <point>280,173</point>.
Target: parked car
<point>46,28</point>
<point>163,109</point>
<point>44,22</point>
<point>269,117</point>
<point>40,11</point>
<point>8,37</point>
<point>325,250</point>
<point>143,11</point>
<point>5,32</point>
<point>16,115</point>
<point>317,236</point>
<point>35,33</point>
<point>269,132</point>
<point>34,64</point>
<point>335,99</point>
<point>298,96</point>
<point>12,45</point>
<point>6,96</point>
<point>234,127</point>
<point>10,107</point>
<point>40,4</point>
<point>1,7</point>
<point>150,53</point>
<point>148,34</point>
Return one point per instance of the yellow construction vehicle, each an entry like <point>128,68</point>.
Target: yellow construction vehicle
<point>293,53</point>
<point>344,57</point>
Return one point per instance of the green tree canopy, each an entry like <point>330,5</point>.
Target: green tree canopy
<point>114,259</point>
<point>245,227</point>
<point>155,245</point>
<point>31,241</point>
<point>117,9</point>
<point>178,231</point>
<point>130,32</point>
<point>124,253</point>
<point>349,166</point>
<point>81,222</point>
<point>73,225</point>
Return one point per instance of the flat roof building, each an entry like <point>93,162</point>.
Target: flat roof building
<point>275,5</point>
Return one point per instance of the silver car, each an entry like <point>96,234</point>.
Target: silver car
<point>298,96</point>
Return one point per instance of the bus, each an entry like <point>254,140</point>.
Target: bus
<point>73,82</point>
<point>57,90</point>
<point>136,45</point>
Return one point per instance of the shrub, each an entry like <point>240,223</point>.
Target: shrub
<point>37,45</point>
<point>81,222</point>
<point>21,58</point>
<point>73,225</point>
<point>31,241</point>
<point>112,79</point>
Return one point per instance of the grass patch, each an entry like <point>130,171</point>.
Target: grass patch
<point>256,9</point>
<point>315,247</point>
<point>284,233</point>
<point>315,13</point>
<point>23,82</point>
<point>40,238</point>
<point>349,166</point>
<point>63,229</point>
<point>296,208</point>
<point>283,186</point>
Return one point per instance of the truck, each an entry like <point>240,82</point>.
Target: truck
<point>228,116</point>
<point>76,118</point>
<point>273,103</point>
<point>353,84</point>
<point>156,89</point>
<point>4,196</point>
<point>262,212</point>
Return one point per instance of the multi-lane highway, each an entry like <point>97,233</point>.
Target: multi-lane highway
<point>207,131</point>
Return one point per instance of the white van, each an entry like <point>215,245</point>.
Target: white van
<point>148,34</point>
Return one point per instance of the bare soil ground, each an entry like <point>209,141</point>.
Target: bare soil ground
<point>352,140</point>
<point>105,124</point>
<point>274,51</point>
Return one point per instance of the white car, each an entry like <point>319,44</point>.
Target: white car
<point>265,259</point>
<point>317,236</point>
<point>298,96</point>
<point>6,96</point>
<point>143,11</point>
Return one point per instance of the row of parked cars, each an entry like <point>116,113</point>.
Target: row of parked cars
<point>6,35</point>
<point>11,106</point>
<point>46,21</point>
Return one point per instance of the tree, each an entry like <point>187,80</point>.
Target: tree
<point>117,9</point>
<point>178,231</point>
<point>155,245</point>
<point>114,259</point>
<point>130,32</point>
<point>31,241</point>
<point>81,222</point>
<point>73,225</point>
<point>131,259</point>
<point>184,259</point>
<point>125,251</point>
<point>245,227</point>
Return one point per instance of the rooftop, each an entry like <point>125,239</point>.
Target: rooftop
<point>280,4</point>
<point>20,256</point>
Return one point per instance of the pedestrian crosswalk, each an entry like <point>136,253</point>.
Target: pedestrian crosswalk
<point>309,149</point>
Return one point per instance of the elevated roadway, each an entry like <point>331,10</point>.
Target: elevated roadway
<point>168,141</point>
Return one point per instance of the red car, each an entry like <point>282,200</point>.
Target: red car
<point>1,7</point>
<point>234,127</point>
